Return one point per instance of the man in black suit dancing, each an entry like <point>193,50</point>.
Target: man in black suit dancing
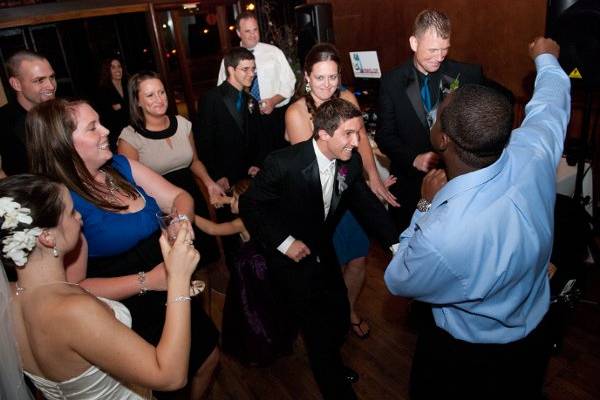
<point>408,99</point>
<point>225,137</point>
<point>291,209</point>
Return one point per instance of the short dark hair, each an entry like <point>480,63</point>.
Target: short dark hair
<point>14,62</point>
<point>244,15</point>
<point>331,114</point>
<point>235,55</point>
<point>479,120</point>
<point>432,19</point>
<point>41,195</point>
<point>136,115</point>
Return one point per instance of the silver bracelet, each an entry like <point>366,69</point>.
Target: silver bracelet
<point>141,280</point>
<point>179,299</point>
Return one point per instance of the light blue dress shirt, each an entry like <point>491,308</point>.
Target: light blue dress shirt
<point>480,254</point>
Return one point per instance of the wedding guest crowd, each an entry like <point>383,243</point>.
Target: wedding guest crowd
<point>273,86</point>
<point>287,177</point>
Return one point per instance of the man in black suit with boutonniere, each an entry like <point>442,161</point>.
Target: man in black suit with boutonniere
<point>408,99</point>
<point>226,131</point>
<point>291,210</point>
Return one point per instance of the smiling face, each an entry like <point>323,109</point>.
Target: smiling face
<point>342,142</point>
<point>430,50</point>
<point>242,75</point>
<point>34,83</point>
<point>152,98</point>
<point>90,138</point>
<point>324,79</point>
<point>248,33</point>
<point>116,70</point>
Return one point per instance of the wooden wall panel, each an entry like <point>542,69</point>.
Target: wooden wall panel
<point>493,33</point>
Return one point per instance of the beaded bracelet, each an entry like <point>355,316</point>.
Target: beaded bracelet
<point>179,299</point>
<point>141,280</point>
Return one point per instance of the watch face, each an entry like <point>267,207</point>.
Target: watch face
<point>423,205</point>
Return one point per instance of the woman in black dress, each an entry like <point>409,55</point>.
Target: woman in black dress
<point>112,101</point>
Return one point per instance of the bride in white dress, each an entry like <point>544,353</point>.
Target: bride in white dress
<point>71,344</point>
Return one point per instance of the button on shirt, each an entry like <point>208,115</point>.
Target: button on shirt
<point>480,254</point>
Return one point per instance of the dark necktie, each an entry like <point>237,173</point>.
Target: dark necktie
<point>254,89</point>
<point>238,102</point>
<point>425,95</point>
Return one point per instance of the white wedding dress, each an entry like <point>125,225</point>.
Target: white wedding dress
<point>93,383</point>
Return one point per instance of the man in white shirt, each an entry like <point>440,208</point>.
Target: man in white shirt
<point>291,209</point>
<point>274,83</point>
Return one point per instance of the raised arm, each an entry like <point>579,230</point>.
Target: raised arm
<point>165,193</point>
<point>127,356</point>
<point>368,160</point>
<point>548,111</point>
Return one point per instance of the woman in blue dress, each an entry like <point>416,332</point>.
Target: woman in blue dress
<point>118,200</point>
<point>322,82</point>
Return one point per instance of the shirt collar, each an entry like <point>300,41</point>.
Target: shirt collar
<point>324,162</point>
<point>467,181</point>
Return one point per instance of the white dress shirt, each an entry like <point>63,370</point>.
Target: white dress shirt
<point>275,76</point>
<point>327,175</point>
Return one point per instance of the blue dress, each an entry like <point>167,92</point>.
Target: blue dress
<point>349,239</point>
<point>125,244</point>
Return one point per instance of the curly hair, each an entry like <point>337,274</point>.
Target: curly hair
<point>478,119</point>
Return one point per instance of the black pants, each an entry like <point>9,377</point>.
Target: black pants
<point>323,318</point>
<point>445,367</point>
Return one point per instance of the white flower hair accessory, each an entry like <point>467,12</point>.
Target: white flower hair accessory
<point>17,242</point>
<point>13,213</point>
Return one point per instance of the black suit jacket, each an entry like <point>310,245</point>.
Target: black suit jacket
<point>402,129</point>
<point>286,199</point>
<point>12,139</point>
<point>225,139</point>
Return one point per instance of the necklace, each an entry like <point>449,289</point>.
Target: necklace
<point>111,186</point>
<point>20,289</point>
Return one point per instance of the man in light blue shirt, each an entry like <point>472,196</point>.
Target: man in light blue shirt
<point>478,246</point>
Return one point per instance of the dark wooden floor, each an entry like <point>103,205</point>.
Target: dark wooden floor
<point>383,360</point>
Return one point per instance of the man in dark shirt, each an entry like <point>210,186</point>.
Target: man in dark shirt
<point>225,136</point>
<point>32,78</point>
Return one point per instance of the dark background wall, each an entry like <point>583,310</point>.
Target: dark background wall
<point>493,33</point>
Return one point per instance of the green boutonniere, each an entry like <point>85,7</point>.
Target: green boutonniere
<point>454,84</point>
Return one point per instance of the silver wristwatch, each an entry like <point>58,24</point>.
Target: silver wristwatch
<point>423,205</point>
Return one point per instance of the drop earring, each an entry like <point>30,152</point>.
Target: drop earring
<point>55,251</point>
<point>307,87</point>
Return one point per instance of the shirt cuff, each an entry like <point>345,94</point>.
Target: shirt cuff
<point>545,59</point>
<point>285,245</point>
<point>394,248</point>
